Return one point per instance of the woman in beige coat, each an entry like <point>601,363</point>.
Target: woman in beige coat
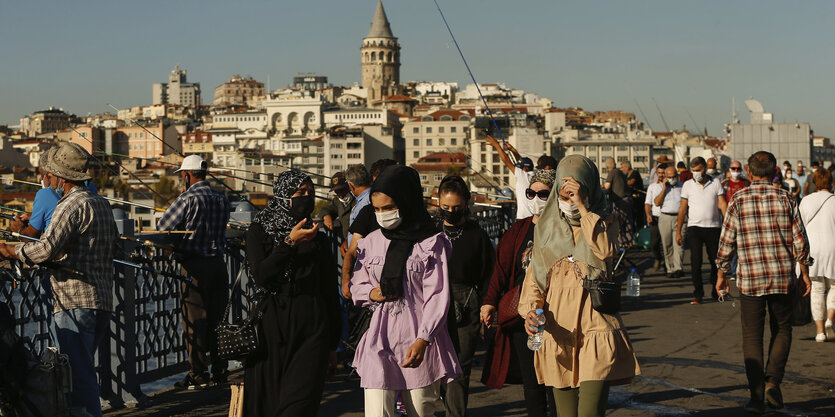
<point>583,351</point>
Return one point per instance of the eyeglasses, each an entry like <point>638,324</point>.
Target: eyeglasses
<point>736,169</point>
<point>542,194</point>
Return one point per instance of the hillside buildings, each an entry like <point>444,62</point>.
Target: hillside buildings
<point>380,53</point>
<point>177,90</point>
<point>238,91</point>
<point>45,121</point>
<point>787,141</point>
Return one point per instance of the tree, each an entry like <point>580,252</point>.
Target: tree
<point>167,188</point>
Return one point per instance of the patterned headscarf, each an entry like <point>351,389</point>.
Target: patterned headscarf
<point>544,176</point>
<point>276,219</point>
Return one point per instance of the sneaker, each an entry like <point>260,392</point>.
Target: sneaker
<point>820,338</point>
<point>193,382</point>
<point>755,407</point>
<point>828,331</point>
<point>696,302</point>
<point>773,396</point>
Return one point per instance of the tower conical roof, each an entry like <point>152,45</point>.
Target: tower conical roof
<point>380,23</point>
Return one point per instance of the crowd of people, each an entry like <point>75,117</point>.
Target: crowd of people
<point>421,282</point>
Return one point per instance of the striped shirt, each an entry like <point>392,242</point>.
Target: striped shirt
<point>205,211</point>
<point>764,227</point>
<point>82,235</point>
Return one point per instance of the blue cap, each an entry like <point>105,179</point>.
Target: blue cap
<point>539,311</point>
<point>526,162</point>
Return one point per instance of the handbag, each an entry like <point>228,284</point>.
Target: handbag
<point>239,340</point>
<point>605,295</point>
<point>801,307</point>
<point>462,309</point>
<point>360,323</point>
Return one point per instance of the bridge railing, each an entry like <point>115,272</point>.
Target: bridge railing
<point>145,342</point>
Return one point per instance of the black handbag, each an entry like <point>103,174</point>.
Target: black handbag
<point>605,295</point>
<point>239,340</point>
<point>361,320</point>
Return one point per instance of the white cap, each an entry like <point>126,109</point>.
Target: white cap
<point>193,163</point>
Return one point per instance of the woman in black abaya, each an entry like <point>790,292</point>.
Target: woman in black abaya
<point>291,263</point>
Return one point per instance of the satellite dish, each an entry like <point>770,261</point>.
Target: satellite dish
<point>754,106</point>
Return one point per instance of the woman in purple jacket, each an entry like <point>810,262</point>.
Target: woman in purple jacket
<point>401,274</point>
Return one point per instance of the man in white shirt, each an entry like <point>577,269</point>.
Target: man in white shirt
<point>667,197</point>
<point>653,212</point>
<point>703,204</point>
<point>523,171</point>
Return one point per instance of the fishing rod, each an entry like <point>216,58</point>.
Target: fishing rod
<point>172,164</point>
<point>177,151</point>
<point>121,166</point>
<point>115,200</point>
<point>11,209</point>
<point>118,261</point>
<point>285,166</point>
<point>483,100</point>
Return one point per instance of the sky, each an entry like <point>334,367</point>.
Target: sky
<point>691,57</point>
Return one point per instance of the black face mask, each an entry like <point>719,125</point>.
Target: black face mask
<point>452,217</point>
<point>301,207</point>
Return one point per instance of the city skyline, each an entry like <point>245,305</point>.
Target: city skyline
<point>691,58</point>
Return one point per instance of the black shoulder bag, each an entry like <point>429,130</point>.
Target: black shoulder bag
<point>239,340</point>
<point>604,293</point>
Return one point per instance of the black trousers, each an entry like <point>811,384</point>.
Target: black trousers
<point>456,393</point>
<point>538,397</point>
<point>698,238</point>
<point>752,312</point>
<point>204,301</point>
<point>655,240</point>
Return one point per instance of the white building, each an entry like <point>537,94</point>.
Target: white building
<point>177,90</point>
<point>360,145</point>
<point>359,116</point>
<point>440,131</point>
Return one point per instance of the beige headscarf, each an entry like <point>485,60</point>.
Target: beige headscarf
<point>553,237</point>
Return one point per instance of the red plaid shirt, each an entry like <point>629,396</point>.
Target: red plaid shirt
<point>763,226</point>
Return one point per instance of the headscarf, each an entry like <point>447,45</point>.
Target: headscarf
<point>402,184</point>
<point>553,237</point>
<point>544,176</point>
<point>276,219</point>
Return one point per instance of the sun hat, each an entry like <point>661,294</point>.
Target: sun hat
<point>70,162</point>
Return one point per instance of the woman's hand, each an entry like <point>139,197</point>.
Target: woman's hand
<point>531,326</point>
<point>414,356</point>
<point>572,188</point>
<point>488,314</point>
<point>300,234</point>
<point>377,295</point>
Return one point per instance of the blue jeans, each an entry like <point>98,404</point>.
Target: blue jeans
<point>79,331</point>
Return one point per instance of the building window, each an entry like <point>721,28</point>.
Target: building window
<point>416,142</point>
<point>354,155</point>
<point>440,129</point>
<point>483,158</point>
<point>429,129</point>
<point>605,148</point>
<point>453,129</point>
<point>428,142</point>
<point>441,142</point>
<point>416,154</point>
<point>622,148</point>
<point>416,130</point>
<point>577,148</point>
<point>453,141</point>
<point>423,177</point>
<point>356,145</point>
<point>438,177</point>
<point>623,159</point>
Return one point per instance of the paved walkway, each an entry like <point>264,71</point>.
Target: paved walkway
<point>690,356</point>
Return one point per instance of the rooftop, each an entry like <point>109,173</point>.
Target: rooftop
<point>380,27</point>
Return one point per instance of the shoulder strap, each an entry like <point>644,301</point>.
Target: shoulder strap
<point>819,209</point>
<point>232,295</point>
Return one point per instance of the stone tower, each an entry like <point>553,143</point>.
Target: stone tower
<point>380,58</point>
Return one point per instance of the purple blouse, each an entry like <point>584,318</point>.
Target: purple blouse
<point>395,325</point>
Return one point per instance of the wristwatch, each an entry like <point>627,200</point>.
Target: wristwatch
<point>289,241</point>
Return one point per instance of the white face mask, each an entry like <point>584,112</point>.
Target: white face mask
<point>671,181</point>
<point>735,174</point>
<point>44,184</point>
<point>60,188</point>
<point>569,209</point>
<point>537,205</point>
<point>711,172</point>
<point>788,176</point>
<point>814,169</point>
<point>698,175</point>
<point>389,219</point>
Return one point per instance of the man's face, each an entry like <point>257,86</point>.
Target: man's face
<point>660,173</point>
<point>735,167</point>
<point>670,173</point>
<point>699,169</point>
<point>711,163</point>
<point>624,168</point>
<point>800,170</point>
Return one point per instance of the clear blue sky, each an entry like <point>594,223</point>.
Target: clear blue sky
<point>692,56</point>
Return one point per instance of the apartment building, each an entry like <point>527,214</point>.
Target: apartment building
<point>440,131</point>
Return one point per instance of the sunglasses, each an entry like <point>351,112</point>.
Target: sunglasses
<point>542,194</point>
<point>736,169</point>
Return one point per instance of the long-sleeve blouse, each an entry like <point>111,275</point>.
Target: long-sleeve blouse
<point>420,313</point>
<point>579,343</point>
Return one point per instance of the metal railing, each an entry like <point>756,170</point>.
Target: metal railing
<point>145,341</point>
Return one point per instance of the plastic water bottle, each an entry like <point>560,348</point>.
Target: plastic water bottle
<point>633,283</point>
<point>535,341</point>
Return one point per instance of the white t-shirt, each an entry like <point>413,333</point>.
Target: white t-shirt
<point>652,192</point>
<point>523,181</point>
<point>702,203</point>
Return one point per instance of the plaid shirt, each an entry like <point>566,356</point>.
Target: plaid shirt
<point>763,225</point>
<point>203,210</point>
<point>83,236</point>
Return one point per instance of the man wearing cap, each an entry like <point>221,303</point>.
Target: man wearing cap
<point>204,212</point>
<point>83,236</point>
<point>337,214</point>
